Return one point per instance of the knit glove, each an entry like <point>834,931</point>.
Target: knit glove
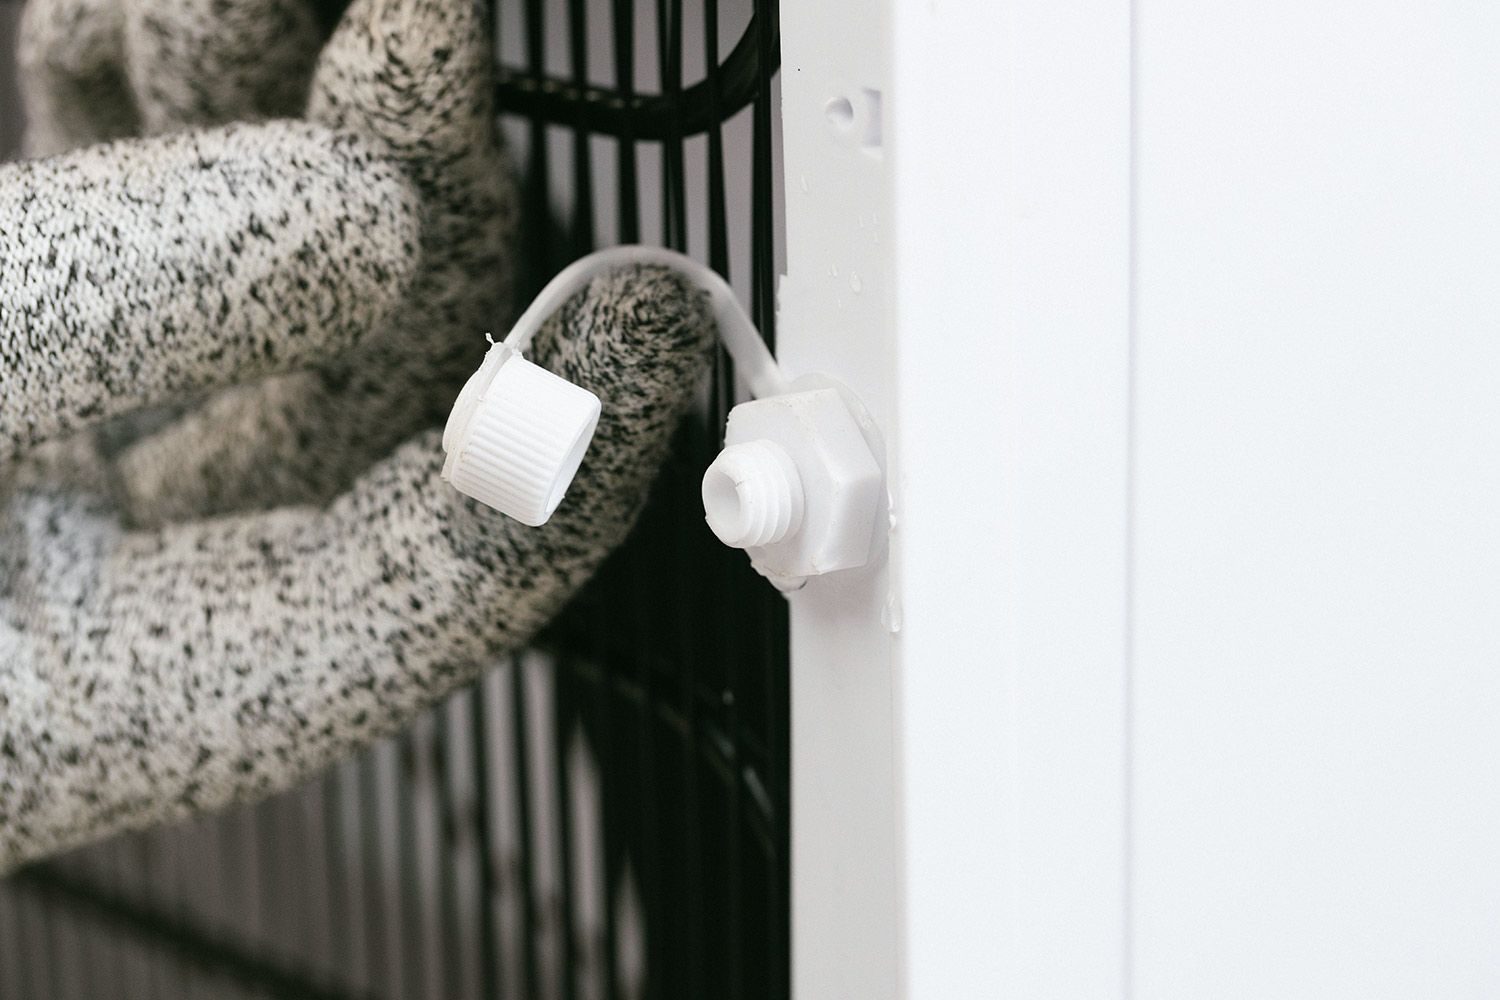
<point>95,70</point>
<point>156,662</point>
<point>198,61</point>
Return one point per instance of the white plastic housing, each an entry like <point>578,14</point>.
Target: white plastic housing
<point>797,486</point>
<point>517,435</point>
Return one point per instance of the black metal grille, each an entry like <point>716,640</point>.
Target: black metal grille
<point>604,817</point>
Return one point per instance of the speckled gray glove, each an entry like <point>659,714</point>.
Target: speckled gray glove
<point>102,69</point>
<point>156,660</point>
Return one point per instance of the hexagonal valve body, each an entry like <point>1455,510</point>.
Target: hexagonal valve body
<point>797,486</point>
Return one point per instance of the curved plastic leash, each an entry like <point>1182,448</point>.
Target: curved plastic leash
<point>753,360</point>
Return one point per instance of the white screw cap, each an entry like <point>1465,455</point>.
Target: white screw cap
<point>517,435</point>
<point>752,495</point>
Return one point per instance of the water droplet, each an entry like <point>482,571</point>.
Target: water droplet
<point>890,615</point>
<point>855,282</point>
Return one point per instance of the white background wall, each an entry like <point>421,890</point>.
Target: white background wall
<point>1316,575</point>
<point>1195,399</point>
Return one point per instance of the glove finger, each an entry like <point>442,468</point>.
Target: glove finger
<point>139,273</point>
<point>193,63</point>
<point>73,89</point>
<point>152,674</point>
<point>414,78</point>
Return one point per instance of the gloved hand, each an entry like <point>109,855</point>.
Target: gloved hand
<point>156,660</point>
<point>94,70</point>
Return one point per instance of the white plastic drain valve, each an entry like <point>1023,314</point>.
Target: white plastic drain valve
<point>517,435</point>
<point>798,486</point>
